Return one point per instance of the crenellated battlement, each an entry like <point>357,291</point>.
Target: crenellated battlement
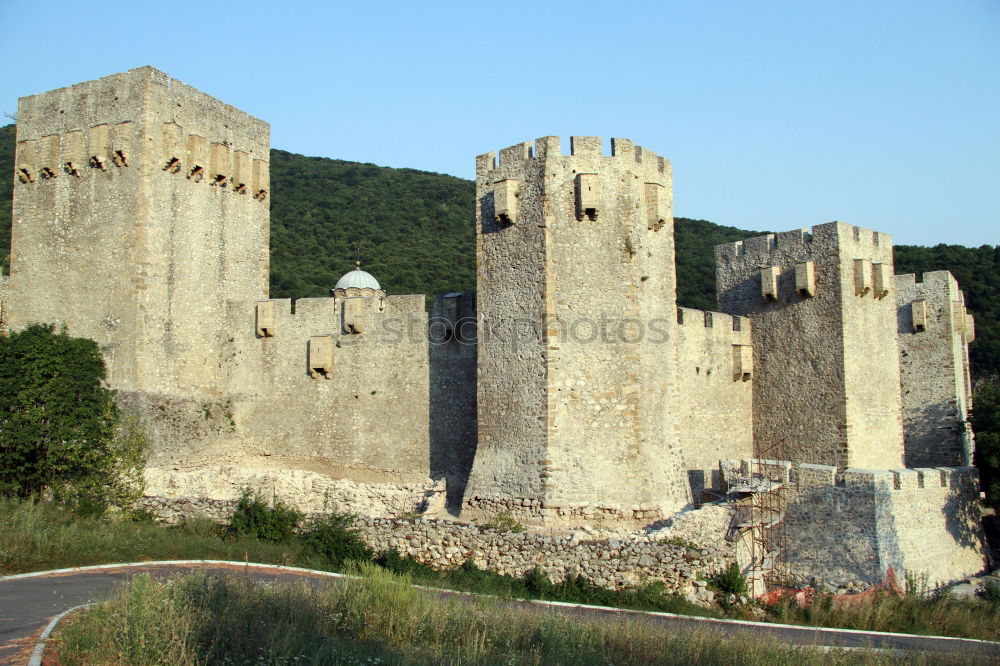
<point>710,319</point>
<point>805,476</point>
<point>581,147</point>
<point>863,242</point>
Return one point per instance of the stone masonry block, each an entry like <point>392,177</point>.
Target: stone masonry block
<point>197,157</point>
<point>321,356</point>
<point>588,196</point>
<point>220,165</point>
<point>121,144</point>
<point>805,278</point>
<point>809,475</point>
<point>742,362</point>
<point>918,313</point>
<point>48,156</point>
<point>862,277</point>
<point>98,147</point>
<point>906,479</point>
<point>265,319</point>
<point>881,279</point>
<point>769,282</point>
<point>72,152</point>
<point>26,158</point>
<point>505,195</point>
<point>354,315</point>
<point>657,206</point>
<point>931,477</point>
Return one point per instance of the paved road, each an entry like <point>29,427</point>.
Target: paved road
<point>28,603</point>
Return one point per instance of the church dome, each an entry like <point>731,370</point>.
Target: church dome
<point>358,279</point>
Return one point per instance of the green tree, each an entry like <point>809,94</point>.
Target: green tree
<point>986,424</point>
<point>60,431</point>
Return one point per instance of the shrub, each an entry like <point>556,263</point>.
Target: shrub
<point>730,581</point>
<point>60,431</point>
<point>254,518</point>
<point>505,522</point>
<point>332,538</point>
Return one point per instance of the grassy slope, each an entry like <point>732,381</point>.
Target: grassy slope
<point>382,619</point>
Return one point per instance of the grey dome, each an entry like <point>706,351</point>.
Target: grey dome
<point>358,279</point>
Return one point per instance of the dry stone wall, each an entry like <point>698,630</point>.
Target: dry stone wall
<point>934,332</point>
<point>610,562</point>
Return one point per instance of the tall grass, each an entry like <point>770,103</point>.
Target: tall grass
<point>381,619</point>
<point>35,536</point>
<point>933,614</point>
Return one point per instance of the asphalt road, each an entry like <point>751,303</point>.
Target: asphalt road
<point>28,603</point>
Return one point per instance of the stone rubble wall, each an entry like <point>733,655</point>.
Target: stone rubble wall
<point>682,565</point>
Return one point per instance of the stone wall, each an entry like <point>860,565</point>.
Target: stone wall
<point>576,296</point>
<point>851,526</point>
<point>610,562</point>
<point>363,416</point>
<point>934,332</point>
<point>452,369</point>
<point>826,386</point>
<point>715,374</point>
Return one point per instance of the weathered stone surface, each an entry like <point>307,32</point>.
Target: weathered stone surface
<point>934,361</point>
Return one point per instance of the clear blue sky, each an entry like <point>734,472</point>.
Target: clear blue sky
<point>776,115</point>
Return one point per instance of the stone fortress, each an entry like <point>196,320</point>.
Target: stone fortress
<point>569,393</point>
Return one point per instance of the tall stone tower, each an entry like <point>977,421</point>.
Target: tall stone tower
<point>935,330</point>
<point>577,320</point>
<point>826,357</point>
<point>140,207</point>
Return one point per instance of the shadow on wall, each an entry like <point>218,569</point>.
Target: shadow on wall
<point>452,402</point>
<point>935,436</point>
<point>963,520</point>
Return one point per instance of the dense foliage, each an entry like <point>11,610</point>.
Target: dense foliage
<point>413,230</point>
<point>60,431</point>
<point>986,423</point>
<point>978,273</point>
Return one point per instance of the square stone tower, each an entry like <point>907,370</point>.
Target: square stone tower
<point>140,207</point>
<point>935,330</point>
<point>826,351</point>
<point>577,319</point>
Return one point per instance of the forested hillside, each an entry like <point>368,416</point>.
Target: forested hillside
<point>414,231</point>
